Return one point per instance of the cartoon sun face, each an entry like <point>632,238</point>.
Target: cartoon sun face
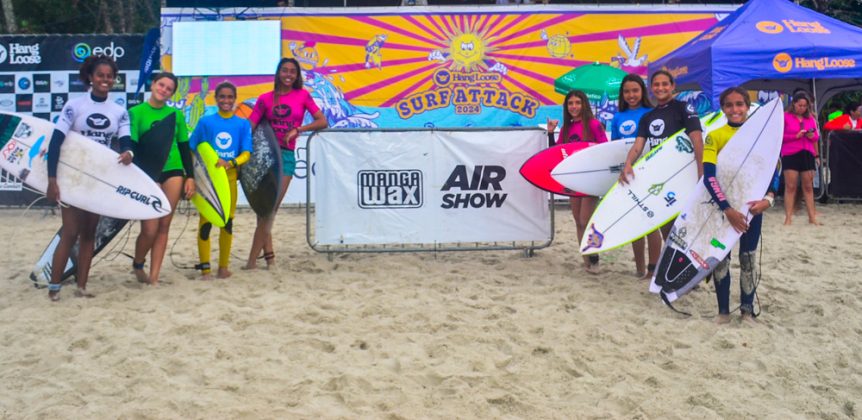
<point>467,51</point>
<point>559,46</point>
<point>306,54</point>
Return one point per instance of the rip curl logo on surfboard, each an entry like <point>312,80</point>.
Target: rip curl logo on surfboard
<point>594,238</point>
<point>150,200</point>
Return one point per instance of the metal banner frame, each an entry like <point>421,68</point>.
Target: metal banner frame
<point>527,246</point>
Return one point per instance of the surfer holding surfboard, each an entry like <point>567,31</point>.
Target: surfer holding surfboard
<point>284,108</point>
<point>735,104</point>
<point>579,125</point>
<point>632,107</point>
<point>176,177</point>
<point>100,120</point>
<point>230,136</point>
<point>668,117</point>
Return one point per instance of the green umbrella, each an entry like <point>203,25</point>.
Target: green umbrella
<point>596,80</point>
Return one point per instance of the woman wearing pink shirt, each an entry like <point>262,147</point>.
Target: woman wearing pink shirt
<point>579,124</point>
<point>799,155</point>
<point>284,108</point>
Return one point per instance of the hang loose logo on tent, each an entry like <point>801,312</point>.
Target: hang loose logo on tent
<point>782,62</point>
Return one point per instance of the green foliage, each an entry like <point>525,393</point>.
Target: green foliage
<point>845,10</point>
<point>86,16</point>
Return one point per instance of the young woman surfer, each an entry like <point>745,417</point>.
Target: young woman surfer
<point>177,176</point>
<point>98,73</point>
<point>284,108</point>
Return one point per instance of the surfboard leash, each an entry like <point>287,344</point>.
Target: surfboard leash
<point>670,305</point>
<point>182,209</point>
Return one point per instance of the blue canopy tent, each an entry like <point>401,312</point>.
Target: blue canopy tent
<point>770,45</point>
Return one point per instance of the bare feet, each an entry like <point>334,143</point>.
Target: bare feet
<point>722,319</point>
<point>224,273</point>
<point>748,318</point>
<point>83,293</point>
<point>648,277</point>
<point>787,221</point>
<point>141,276</point>
<point>593,269</point>
<point>640,274</point>
<point>153,282</point>
<point>270,259</point>
<point>249,266</point>
<point>54,291</point>
<point>814,222</point>
<point>206,276</point>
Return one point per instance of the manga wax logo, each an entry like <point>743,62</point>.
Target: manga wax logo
<point>479,188</point>
<point>20,54</point>
<point>783,63</point>
<point>82,50</point>
<point>398,189</point>
<point>793,26</point>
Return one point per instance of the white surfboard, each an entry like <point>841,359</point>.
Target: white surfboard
<point>593,170</point>
<point>701,237</point>
<point>88,173</point>
<point>662,179</point>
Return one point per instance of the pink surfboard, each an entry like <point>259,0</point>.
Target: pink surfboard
<point>537,169</point>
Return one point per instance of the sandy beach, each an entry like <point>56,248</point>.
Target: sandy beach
<point>434,335</point>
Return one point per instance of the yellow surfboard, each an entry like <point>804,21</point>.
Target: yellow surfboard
<point>212,190</point>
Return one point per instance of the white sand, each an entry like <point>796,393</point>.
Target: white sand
<point>451,335</point>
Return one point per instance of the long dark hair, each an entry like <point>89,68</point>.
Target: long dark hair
<point>586,116</point>
<point>297,83</point>
<point>88,68</point>
<point>798,96</point>
<point>631,77</point>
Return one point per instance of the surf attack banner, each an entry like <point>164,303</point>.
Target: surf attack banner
<point>425,67</point>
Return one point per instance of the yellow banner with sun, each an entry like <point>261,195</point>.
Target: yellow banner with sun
<point>455,68</point>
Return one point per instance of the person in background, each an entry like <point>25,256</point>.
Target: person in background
<point>177,176</point>
<point>799,155</point>
<point>633,104</point>
<point>98,72</point>
<point>230,137</point>
<point>735,104</point>
<point>851,120</point>
<point>284,108</point>
<point>579,124</point>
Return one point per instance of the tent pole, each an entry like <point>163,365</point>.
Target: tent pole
<point>814,96</point>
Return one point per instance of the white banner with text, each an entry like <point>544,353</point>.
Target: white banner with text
<point>426,187</point>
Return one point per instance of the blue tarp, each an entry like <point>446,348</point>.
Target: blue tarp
<point>770,44</point>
